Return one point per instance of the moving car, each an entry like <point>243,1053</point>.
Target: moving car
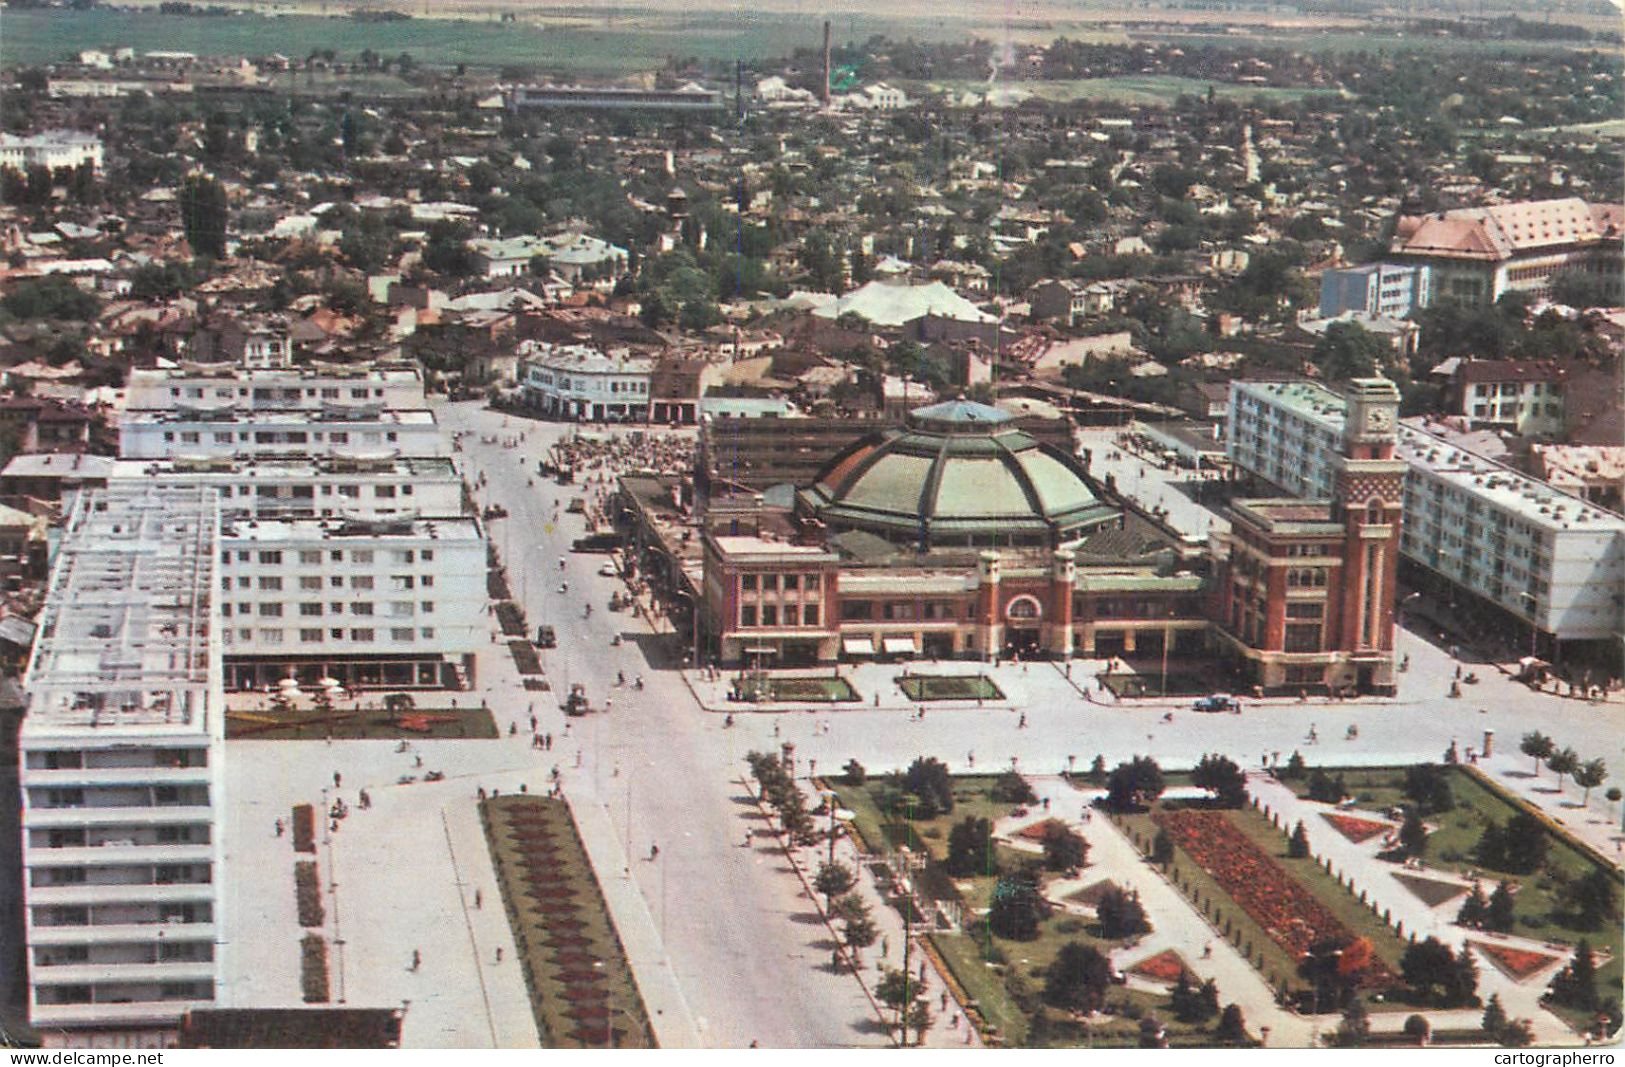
<point>607,570</point>
<point>1216,702</point>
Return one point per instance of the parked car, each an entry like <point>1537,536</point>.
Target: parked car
<point>576,506</point>
<point>607,570</point>
<point>546,637</point>
<point>1216,702</point>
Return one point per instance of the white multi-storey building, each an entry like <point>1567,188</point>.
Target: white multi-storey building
<point>55,149</point>
<point>383,602</point>
<point>212,388</point>
<point>416,486</point>
<point>121,768</point>
<point>1546,557</point>
<point>578,382</point>
<point>278,434</point>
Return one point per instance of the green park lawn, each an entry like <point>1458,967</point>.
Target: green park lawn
<point>1456,832</point>
<point>818,690</point>
<point>1004,978</point>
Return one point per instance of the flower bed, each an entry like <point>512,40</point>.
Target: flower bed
<point>1516,963</point>
<point>1357,830</point>
<point>511,618</point>
<point>1037,830</point>
<point>308,894</point>
<point>525,658</point>
<point>313,968</point>
<point>581,987</point>
<point>1282,906</point>
<point>949,687</point>
<point>1166,966</point>
<point>304,828</point>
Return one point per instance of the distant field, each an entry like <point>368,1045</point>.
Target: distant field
<point>1150,89</point>
<point>1345,40</point>
<point>610,42</point>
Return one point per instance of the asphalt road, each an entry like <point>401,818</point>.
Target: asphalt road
<point>739,942</point>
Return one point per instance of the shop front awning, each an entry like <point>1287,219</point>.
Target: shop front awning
<point>898,646</point>
<point>857,646</point>
<point>761,650</point>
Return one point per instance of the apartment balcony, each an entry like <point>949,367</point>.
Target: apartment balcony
<point>138,1013</point>
<point>126,893</point>
<point>92,973</point>
<point>116,853</point>
<point>147,815</point>
<point>121,934</point>
<point>94,776</point>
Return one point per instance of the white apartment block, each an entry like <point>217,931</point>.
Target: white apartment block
<point>579,382</point>
<point>372,603</point>
<point>278,434</point>
<point>1288,433</point>
<point>120,769</point>
<point>54,149</point>
<point>1546,556</point>
<point>326,488</point>
<point>214,389</point>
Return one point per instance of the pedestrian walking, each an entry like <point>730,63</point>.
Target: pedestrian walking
<point>499,953</point>
<point>338,780</point>
<point>417,960</point>
<point>281,828</point>
<point>479,899</point>
<point>1021,724</point>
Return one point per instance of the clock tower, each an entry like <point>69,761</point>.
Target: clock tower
<point>1370,492</point>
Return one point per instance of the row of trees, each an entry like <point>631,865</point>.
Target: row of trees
<point>1564,762</point>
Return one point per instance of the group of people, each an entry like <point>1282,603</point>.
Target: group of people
<point>596,457</point>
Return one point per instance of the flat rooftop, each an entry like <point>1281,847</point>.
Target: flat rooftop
<point>125,638</point>
<point>1498,485</point>
<point>1310,400</point>
<point>276,469</point>
<point>260,418</point>
<point>306,530</point>
<point>236,373</point>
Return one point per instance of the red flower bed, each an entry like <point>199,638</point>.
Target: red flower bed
<point>1357,830</point>
<point>1515,963</point>
<point>1037,830</point>
<point>574,959</point>
<point>1165,966</point>
<point>1288,912</point>
<point>580,994</point>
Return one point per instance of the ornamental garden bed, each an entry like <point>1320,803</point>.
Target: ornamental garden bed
<point>364,724</point>
<point>1516,963</point>
<point>1232,866</point>
<point>1166,967</point>
<point>308,894</point>
<point>1430,891</point>
<point>925,687</point>
<point>525,657</point>
<point>582,989</point>
<point>1127,684</point>
<point>1356,829</point>
<point>313,968</point>
<point>814,690</point>
<point>304,828</point>
<point>511,618</point>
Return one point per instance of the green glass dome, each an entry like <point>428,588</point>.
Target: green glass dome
<point>957,474</point>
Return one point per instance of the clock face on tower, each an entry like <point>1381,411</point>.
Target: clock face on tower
<point>1377,419</point>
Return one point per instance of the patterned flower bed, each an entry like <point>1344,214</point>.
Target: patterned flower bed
<point>1357,830</point>
<point>1281,905</point>
<point>1516,963</point>
<point>581,987</point>
<point>1165,966</point>
<point>1037,830</point>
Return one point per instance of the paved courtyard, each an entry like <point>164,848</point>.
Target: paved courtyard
<point>719,934</point>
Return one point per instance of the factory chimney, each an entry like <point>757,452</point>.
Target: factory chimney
<point>824,90</point>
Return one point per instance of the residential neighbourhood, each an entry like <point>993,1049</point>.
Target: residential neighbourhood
<point>1106,537</point>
